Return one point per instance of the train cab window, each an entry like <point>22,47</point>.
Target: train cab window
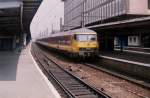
<point>92,37</point>
<point>85,37</point>
<point>82,37</point>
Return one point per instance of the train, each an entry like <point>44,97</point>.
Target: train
<point>75,43</point>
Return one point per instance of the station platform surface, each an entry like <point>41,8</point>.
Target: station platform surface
<point>20,77</point>
<point>128,56</point>
<point>137,50</point>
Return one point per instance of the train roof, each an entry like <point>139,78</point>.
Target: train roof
<point>77,31</point>
<point>83,30</point>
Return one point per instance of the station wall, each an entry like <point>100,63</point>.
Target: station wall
<point>138,7</point>
<point>78,12</point>
<point>127,41</point>
<point>97,10</point>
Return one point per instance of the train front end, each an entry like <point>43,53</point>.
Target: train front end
<point>86,44</point>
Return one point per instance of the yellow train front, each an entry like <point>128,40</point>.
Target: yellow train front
<point>76,43</point>
<point>85,44</point>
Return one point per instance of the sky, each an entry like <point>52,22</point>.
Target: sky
<point>48,14</point>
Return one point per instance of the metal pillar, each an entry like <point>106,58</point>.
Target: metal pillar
<point>121,44</point>
<point>21,23</point>
<point>83,14</point>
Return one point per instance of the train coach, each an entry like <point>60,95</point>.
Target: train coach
<point>76,43</point>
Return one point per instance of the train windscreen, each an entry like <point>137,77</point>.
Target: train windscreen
<point>85,37</point>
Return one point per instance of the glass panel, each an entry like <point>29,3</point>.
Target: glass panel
<point>82,38</point>
<point>91,37</point>
<point>85,37</point>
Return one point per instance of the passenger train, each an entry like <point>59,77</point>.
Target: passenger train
<point>76,43</point>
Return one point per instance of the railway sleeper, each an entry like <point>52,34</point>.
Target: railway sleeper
<point>57,72</point>
<point>77,88</point>
<point>88,96</point>
<point>74,84</point>
<point>62,76</point>
<point>81,90</point>
<point>82,93</point>
<point>70,80</point>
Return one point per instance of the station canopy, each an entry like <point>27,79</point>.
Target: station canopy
<point>15,16</point>
<point>10,4</point>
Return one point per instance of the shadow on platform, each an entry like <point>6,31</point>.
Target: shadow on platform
<point>8,65</point>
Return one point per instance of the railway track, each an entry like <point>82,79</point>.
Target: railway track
<point>119,75</point>
<point>72,86</point>
<point>125,77</point>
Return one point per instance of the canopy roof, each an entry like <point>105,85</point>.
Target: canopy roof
<point>10,4</point>
<point>16,15</point>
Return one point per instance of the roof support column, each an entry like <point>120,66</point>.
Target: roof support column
<point>21,25</point>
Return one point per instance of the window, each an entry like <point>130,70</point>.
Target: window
<point>130,39</point>
<point>134,39</point>
<point>85,37</point>
<point>91,37</point>
<point>82,38</point>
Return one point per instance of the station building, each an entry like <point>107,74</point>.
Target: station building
<point>15,18</point>
<point>117,22</point>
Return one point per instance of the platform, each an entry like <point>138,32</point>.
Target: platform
<point>128,56</point>
<point>137,50</point>
<point>133,64</point>
<point>20,77</point>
